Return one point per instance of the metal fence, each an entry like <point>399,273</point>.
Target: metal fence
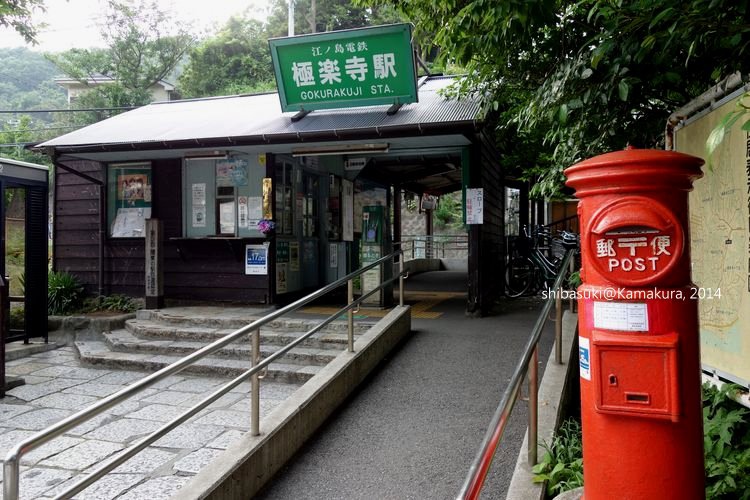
<point>529,363</point>
<point>434,246</point>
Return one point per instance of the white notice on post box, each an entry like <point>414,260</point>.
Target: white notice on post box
<point>623,316</point>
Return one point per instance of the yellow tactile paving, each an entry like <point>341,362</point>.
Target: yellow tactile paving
<point>421,303</point>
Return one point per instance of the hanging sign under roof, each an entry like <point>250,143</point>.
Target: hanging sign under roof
<point>337,69</point>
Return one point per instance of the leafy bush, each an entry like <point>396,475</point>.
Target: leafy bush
<point>65,293</point>
<point>117,302</point>
<point>726,448</point>
<point>17,318</point>
<point>562,464</point>
<point>726,444</point>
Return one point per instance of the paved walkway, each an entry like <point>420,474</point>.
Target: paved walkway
<point>411,432</point>
<point>57,386</point>
<point>414,429</point>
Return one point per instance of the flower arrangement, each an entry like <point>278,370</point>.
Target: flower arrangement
<point>266,226</point>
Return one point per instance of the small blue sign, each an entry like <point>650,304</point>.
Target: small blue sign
<point>256,259</point>
<point>584,357</point>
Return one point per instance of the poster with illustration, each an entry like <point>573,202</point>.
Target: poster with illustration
<point>231,172</point>
<point>133,188</point>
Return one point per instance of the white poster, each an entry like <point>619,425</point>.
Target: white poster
<point>474,205</point>
<point>255,211</point>
<point>199,205</point>
<point>199,216</point>
<point>130,222</point>
<point>347,210</point>
<point>199,194</point>
<point>333,255</point>
<point>242,211</point>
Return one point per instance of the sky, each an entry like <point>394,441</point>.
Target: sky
<point>75,23</point>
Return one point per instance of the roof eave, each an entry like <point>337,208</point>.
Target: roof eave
<point>410,130</point>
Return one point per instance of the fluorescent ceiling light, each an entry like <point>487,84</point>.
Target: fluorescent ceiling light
<point>341,149</point>
<point>206,155</point>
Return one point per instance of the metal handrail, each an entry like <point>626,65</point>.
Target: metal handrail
<point>433,245</point>
<point>11,467</point>
<point>477,474</point>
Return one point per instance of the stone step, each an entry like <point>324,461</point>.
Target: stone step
<point>149,329</point>
<point>98,353</point>
<point>234,318</point>
<point>126,341</point>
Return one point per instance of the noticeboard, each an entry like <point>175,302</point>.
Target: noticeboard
<point>720,244</point>
<point>358,67</point>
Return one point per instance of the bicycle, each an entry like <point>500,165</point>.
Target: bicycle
<point>528,268</point>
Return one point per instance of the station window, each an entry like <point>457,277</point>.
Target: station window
<point>129,199</point>
<point>223,197</point>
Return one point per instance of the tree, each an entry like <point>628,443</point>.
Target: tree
<point>236,60</point>
<point>583,78</point>
<point>144,45</point>
<point>16,14</point>
<point>329,15</point>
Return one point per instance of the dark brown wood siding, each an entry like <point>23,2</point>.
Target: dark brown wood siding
<point>200,270</point>
<point>486,241</point>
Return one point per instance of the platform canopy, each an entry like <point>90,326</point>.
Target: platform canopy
<point>429,133</point>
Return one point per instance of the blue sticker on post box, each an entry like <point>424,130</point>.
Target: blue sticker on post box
<point>584,357</point>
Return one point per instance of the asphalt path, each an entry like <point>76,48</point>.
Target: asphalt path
<point>414,426</point>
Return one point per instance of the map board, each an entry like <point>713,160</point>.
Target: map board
<point>720,244</point>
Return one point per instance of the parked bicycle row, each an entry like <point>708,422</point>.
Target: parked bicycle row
<point>534,259</point>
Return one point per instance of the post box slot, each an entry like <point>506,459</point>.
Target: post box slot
<point>636,374</point>
<point>634,397</point>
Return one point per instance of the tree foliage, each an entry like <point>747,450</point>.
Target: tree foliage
<point>16,14</point>
<point>579,79</point>
<point>329,15</point>
<point>144,45</point>
<point>236,60</point>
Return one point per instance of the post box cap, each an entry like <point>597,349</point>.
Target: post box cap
<point>641,169</point>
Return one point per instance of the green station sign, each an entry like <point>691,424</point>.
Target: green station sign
<point>358,67</point>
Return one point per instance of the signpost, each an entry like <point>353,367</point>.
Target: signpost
<point>358,67</point>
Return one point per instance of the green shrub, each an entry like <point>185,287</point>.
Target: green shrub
<point>726,444</point>
<point>65,293</point>
<point>726,449</point>
<point>17,318</point>
<point>562,464</point>
<point>117,302</point>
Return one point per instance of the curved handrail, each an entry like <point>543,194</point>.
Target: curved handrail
<point>477,474</point>
<point>11,466</point>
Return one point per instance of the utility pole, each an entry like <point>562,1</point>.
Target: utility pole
<point>290,22</point>
<point>313,8</point>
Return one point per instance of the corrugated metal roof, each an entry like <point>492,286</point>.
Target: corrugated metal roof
<point>260,116</point>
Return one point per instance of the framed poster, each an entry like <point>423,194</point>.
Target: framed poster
<point>129,200</point>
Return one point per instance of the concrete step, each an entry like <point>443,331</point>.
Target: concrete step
<point>98,353</point>
<point>237,318</point>
<point>154,330</point>
<point>126,341</point>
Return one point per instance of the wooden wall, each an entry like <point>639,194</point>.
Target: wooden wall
<point>201,270</point>
<point>486,241</point>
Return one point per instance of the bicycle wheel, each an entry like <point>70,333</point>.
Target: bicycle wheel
<point>520,276</point>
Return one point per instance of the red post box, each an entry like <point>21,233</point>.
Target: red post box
<point>638,322</point>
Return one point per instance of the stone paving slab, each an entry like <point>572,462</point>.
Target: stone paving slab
<point>57,386</point>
